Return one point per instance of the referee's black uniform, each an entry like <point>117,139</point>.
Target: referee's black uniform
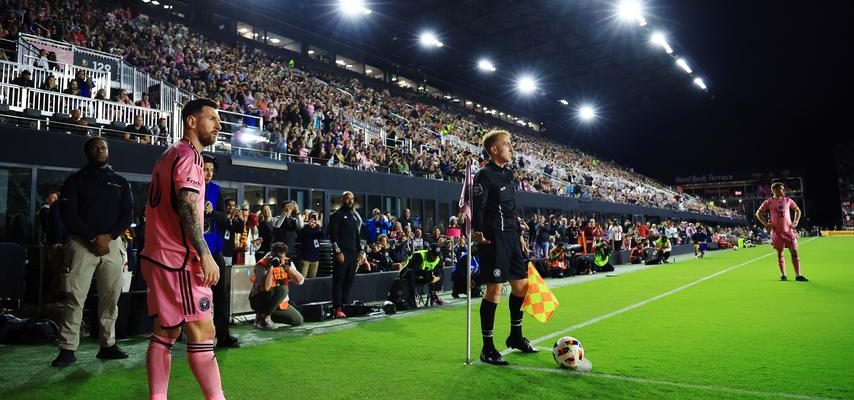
<point>494,215</point>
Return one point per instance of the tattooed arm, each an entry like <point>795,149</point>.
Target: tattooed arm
<point>188,211</point>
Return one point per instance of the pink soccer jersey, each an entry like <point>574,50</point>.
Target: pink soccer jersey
<point>781,219</point>
<point>179,168</point>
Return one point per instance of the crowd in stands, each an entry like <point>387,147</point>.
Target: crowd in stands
<point>321,118</point>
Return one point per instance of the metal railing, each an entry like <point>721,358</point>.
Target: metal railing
<point>20,98</point>
<point>64,74</point>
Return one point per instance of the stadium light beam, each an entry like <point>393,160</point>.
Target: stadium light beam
<point>352,8</point>
<point>429,39</point>
<point>699,82</point>
<point>684,65</point>
<point>586,113</point>
<point>526,84</point>
<point>658,38</point>
<point>485,65</point>
<point>631,11</point>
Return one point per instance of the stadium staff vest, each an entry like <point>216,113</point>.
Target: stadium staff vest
<point>279,274</point>
<point>600,259</point>
<point>426,265</point>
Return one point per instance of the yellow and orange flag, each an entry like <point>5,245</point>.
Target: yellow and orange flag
<point>540,302</point>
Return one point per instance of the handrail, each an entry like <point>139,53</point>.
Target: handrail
<point>67,72</point>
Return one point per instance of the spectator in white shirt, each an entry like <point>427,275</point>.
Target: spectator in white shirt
<point>615,232</point>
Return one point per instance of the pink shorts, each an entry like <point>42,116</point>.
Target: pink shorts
<point>177,296</point>
<point>784,241</point>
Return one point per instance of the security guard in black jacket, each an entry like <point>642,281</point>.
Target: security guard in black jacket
<point>344,227</point>
<point>496,229</point>
<point>97,207</point>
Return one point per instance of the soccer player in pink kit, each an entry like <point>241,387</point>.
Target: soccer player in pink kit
<point>176,262</point>
<point>783,234</point>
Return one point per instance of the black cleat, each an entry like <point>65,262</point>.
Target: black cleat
<point>111,353</point>
<point>227,342</point>
<point>520,344</point>
<point>801,278</point>
<point>783,278</point>
<point>64,359</point>
<point>493,357</point>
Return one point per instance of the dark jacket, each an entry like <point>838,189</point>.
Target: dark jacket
<point>96,201</point>
<point>344,226</point>
<point>309,240</point>
<point>494,207</point>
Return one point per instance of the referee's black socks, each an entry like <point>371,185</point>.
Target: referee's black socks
<point>487,322</point>
<point>516,315</point>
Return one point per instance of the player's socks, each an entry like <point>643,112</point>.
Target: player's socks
<point>205,368</point>
<point>516,315</point>
<point>781,262</point>
<point>158,361</point>
<point>487,323</point>
<point>796,262</point>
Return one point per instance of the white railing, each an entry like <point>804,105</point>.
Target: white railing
<point>127,113</point>
<point>54,102</point>
<point>20,98</point>
<point>64,75</point>
<point>11,96</point>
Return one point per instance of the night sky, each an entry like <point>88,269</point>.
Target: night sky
<point>780,78</point>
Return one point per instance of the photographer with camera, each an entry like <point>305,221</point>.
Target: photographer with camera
<point>638,253</point>
<point>602,252</point>
<point>557,260</point>
<point>425,267</point>
<point>269,295</point>
<point>309,239</point>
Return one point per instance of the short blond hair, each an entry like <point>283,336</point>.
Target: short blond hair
<point>490,138</point>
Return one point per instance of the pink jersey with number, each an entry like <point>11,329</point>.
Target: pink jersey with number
<point>179,168</point>
<point>781,219</point>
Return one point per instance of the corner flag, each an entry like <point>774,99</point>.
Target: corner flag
<point>540,302</point>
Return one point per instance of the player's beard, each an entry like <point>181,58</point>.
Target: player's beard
<point>209,139</point>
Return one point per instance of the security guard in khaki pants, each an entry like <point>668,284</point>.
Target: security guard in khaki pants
<point>97,207</point>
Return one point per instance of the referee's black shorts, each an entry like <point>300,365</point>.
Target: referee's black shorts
<point>502,260</point>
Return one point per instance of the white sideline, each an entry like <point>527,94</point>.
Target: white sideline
<point>712,388</point>
<point>641,303</point>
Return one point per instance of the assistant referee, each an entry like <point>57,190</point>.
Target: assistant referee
<point>497,231</point>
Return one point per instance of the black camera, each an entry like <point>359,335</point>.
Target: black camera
<point>275,262</point>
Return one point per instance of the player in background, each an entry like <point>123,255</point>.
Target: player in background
<point>176,262</point>
<point>783,229</point>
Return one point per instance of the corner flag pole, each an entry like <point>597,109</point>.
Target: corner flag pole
<point>467,191</point>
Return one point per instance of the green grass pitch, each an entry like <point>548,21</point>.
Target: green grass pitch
<point>658,332</point>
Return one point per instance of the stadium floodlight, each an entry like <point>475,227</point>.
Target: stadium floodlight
<point>485,65</point>
<point>699,82</point>
<point>155,2</point>
<point>352,8</point>
<point>661,40</point>
<point>684,65</point>
<point>146,1</point>
<point>564,102</point>
<point>368,71</point>
<point>586,113</point>
<point>526,84</point>
<point>429,39</point>
<point>631,11</point>
<point>275,40</point>
<point>468,102</point>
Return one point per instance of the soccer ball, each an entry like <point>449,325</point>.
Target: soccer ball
<point>568,352</point>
